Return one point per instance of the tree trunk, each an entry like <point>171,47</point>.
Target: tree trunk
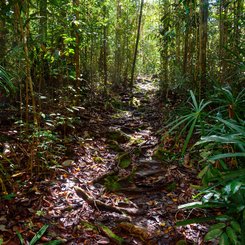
<point>43,20</point>
<point>2,34</point>
<point>105,72</point>
<point>238,10</point>
<point>222,38</point>
<point>177,43</point>
<point>24,31</point>
<point>203,45</point>
<point>118,48</point>
<point>186,42</point>
<point>136,46</point>
<point>43,29</point>
<point>77,46</point>
<point>186,48</point>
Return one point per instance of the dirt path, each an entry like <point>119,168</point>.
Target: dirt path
<point>109,188</point>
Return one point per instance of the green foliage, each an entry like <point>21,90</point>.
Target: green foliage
<point>222,149</point>
<point>111,234</point>
<point>226,191</point>
<point>227,135</point>
<point>6,83</point>
<point>37,236</point>
<point>124,160</point>
<point>112,183</point>
<point>228,234</point>
<point>9,196</point>
<point>194,120</point>
<point>229,104</point>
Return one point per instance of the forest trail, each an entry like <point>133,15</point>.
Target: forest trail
<point>109,187</point>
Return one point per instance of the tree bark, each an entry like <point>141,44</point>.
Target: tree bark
<point>118,53</point>
<point>24,31</point>
<point>3,32</point>
<point>136,46</point>
<point>105,72</point>
<point>77,46</point>
<point>203,45</point>
<point>43,28</point>
<point>222,39</point>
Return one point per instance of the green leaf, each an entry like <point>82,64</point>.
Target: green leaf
<point>232,125</point>
<point>201,205</point>
<point>236,226</point>
<point>235,186</point>
<point>224,240</point>
<point>55,242</point>
<point>5,81</point>
<point>189,136</point>
<point>190,205</point>
<point>111,234</point>
<point>39,234</point>
<point>223,218</point>
<point>203,172</point>
<point>193,97</point>
<point>195,221</point>
<point>217,226</point>
<point>124,163</point>
<point>230,175</point>
<point>22,242</point>
<point>213,234</point>
<point>232,235</point>
<point>227,155</point>
<point>9,196</point>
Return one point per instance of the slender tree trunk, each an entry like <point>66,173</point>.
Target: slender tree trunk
<point>43,29</point>
<point>105,60</point>
<point>136,46</point>
<point>203,45</point>
<point>186,48</point>
<point>43,20</point>
<point>238,10</point>
<point>24,31</point>
<point>2,34</point>
<point>105,72</point>
<point>77,47</point>
<point>186,42</point>
<point>118,60</point>
<point>164,75</point>
<point>196,49</point>
<point>222,38</point>
<point>177,43</point>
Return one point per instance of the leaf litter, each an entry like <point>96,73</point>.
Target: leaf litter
<point>107,187</point>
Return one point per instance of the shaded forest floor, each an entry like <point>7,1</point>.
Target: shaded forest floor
<point>105,182</point>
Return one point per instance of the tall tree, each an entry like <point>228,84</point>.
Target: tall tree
<point>203,44</point>
<point>223,32</point>
<point>3,31</point>
<point>24,25</point>
<point>43,27</point>
<point>136,45</point>
<point>105,30</point>
<point>118,45</point>
<point>76,4</point>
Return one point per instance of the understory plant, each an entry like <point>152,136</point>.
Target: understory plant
<point>37,237</point>
<point>6,84</point>
<point>193,121</point>
<point>222,150</point>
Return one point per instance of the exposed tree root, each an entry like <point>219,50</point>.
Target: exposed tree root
<point>100,205</point>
